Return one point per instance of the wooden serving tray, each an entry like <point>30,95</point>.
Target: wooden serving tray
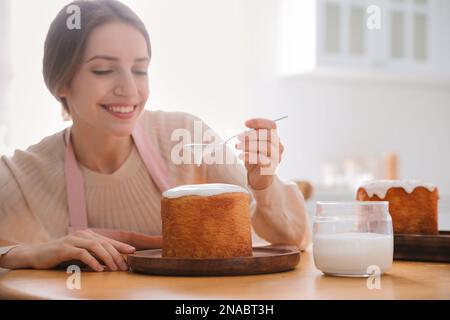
<point>267,259</point>
<point>422,247</point>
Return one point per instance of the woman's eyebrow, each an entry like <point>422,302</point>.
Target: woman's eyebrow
<point>111,58</point>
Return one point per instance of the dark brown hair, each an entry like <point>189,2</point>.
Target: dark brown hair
<point>64,48</point>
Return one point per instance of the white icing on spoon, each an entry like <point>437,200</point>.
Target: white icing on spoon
<point>207,189</point>
<point>381,187</point>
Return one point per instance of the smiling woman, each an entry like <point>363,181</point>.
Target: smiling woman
<point>93,190</point>
<point>59,66</point>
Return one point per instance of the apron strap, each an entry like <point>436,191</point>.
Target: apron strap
<point>152,159</point>
<point>76,195</point>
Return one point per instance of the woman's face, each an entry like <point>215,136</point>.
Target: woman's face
<point>110,88</point>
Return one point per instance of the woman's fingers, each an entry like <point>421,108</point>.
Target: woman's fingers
<point>115,248</point>
<point>255,158</point>
<point>84,256</point>
<point>261,129</point>
<point>263,134</point>
<point>135,239</point>
<point>117,235</point>
<point>266,148</point>
<point>118,258</point>
<point>119,246</point>
<point>141,241</point>
<point>258,123</point>
<point>96,248</point>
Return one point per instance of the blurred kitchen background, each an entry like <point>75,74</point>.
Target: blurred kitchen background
<point>366,84</point>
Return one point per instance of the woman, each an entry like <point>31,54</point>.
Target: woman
<point>92,192</point>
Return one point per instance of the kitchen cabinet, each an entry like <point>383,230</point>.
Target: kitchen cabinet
<point>396,37</point>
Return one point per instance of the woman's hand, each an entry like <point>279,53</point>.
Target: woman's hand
<point>262,152</point>
<point>91,247</point>
<point>137,240</point>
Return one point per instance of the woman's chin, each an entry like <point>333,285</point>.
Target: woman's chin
<point>121,130</point>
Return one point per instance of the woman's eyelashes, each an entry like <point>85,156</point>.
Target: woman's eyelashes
<point>106,72</point>
<point>141,73</point>
<point>101,72</point>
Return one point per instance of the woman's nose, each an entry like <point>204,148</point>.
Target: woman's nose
<point>126,86</point>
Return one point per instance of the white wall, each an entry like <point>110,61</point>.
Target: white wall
<point>197,63</point>
<point>4,70</point>
<point>32,112</point>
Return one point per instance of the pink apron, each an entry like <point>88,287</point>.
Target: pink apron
<point>76,196</point>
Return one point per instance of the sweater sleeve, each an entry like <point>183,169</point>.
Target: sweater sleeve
<point>280,216</point>
<point>17,222</point>
<point>278,212</point>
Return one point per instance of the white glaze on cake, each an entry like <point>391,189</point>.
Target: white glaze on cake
<point>381,187</point>
<point>207,189</point>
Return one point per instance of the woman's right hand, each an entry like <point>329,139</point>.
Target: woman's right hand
<point>87,246</point>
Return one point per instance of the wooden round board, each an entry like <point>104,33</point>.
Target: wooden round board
<point>268,259</point>
<point>419,247</point>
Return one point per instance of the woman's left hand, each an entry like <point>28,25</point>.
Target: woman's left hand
<point>138,240</point>
<point>261,151</point>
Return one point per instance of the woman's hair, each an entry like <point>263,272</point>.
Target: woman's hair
<point>64,46</point>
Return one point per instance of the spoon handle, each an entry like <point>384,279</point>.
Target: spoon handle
<point>275,120</point>
<point>229,139</point>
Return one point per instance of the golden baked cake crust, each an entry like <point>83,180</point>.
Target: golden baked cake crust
<point>412,213</point>
<point>200,227</point>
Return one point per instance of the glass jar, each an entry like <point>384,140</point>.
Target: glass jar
<point>353,238</point>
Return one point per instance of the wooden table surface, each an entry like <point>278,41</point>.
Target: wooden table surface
<point>406,280</point>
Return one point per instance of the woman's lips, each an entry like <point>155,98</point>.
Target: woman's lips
<point>121,111</point>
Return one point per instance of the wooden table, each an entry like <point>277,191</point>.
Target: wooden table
<point>406,280</point>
